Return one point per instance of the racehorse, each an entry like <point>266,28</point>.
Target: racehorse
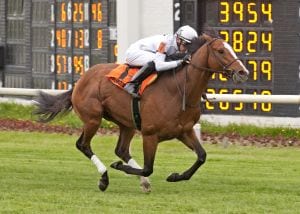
<point>169,108</point>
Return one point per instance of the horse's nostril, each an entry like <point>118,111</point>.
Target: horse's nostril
<point>242,72</point>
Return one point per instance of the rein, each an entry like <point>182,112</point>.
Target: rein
<point>225,71</point>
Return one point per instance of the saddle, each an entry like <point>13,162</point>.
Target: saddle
<point>123,74</point>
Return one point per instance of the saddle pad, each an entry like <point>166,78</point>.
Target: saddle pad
<point>123,74</point>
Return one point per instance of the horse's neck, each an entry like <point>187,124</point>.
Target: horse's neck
<point>188,80</point>
<point>197,79</point>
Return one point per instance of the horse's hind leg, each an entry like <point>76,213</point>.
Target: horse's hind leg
<point>84,145</point>
<point>122,151</point>
<point>190,140</point>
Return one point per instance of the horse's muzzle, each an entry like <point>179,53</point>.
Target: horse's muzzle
<point>240,76</point>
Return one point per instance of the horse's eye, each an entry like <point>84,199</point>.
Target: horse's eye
<point>221,51</point>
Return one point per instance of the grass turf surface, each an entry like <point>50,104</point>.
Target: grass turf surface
<point>44,173</point>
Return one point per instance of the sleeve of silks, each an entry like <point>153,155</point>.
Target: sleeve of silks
<point>162,65</point>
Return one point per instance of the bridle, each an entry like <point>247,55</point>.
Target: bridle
<point>226,71</point>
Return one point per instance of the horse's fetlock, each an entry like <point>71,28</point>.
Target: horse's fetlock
<point>147,172</point>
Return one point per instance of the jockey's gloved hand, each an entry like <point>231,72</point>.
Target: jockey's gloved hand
<point>187,59</point>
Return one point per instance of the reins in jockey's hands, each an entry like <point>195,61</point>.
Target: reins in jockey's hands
<point>187,58</point>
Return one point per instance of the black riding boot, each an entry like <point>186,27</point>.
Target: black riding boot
<point>132,86</point>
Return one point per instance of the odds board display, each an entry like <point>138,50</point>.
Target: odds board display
<point>51,43</point>
<point>265,34</point>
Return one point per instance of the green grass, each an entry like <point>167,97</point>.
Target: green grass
<point>44,173</point>
<point>13,111</point>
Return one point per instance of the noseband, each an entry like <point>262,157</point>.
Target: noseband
<point>225,68</point>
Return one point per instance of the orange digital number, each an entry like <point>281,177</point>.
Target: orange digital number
<point>97,12</point>
<point>78,11</point>
<point>99,38</point>
<point>63,85</point>
<point>115,50</point>
<point>58,38</point>
<point>63,13</point>
<point>75,11</point>
<point>61,64</point>
<point>61,38</point>
<point>79,38</point>
<point>78,64</point>
<point>58,64</point>
<point>81,12</point>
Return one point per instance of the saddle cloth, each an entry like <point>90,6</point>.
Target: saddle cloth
<point>123,74</point>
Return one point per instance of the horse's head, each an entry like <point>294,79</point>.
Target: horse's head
<point>223,59</point>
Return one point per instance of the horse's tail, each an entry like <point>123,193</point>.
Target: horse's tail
<point>49,106</point>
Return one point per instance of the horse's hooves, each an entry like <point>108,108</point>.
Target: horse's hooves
<point>173,177</point>
<point>145,185</point>
<point>146,188</point>
<point>116,164</point>
<point>103,182</point>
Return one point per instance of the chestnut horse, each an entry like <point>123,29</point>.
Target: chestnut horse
<point>169,108</point>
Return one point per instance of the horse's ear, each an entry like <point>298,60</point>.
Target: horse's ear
<point>207,37</point>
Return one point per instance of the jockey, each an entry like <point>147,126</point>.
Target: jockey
<point>151,52</point>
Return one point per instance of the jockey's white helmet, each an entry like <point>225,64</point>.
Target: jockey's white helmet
<point>186,33</point>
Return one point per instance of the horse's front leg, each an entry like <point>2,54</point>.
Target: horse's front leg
<point>149,149</point>
<point>191,141</point>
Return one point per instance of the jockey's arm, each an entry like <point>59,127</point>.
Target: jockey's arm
<point>162,65</point>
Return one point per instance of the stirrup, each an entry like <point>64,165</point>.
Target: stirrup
<point>131,89</point>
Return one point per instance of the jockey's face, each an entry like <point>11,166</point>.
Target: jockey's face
<point>181,45</point>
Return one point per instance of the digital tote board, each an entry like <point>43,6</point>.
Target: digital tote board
<point>51,43</point>
<point>265,34</point>
<point>79,37</point>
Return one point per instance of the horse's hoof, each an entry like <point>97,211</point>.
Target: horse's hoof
<point>116,165</point>
<point>173,177</point>
<point>145,185</point>
<point>103,182</point>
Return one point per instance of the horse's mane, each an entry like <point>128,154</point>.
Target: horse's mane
<point>200,41</point>
<point>195,44</point>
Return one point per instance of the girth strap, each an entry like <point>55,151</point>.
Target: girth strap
<point>136,112</point>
